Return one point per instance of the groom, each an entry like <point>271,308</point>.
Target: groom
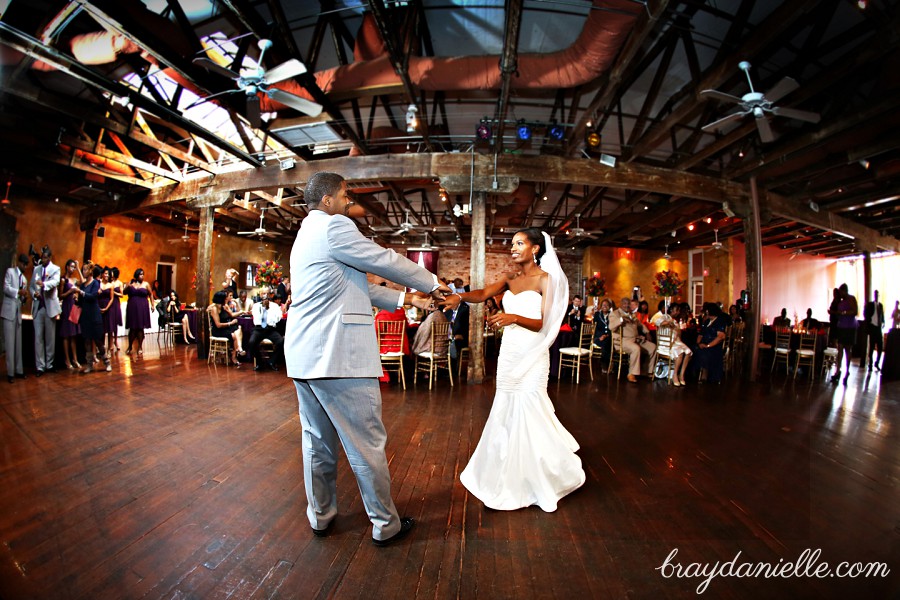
<point>331,353</point>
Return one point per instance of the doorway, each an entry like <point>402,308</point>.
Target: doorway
<point>165,275</point>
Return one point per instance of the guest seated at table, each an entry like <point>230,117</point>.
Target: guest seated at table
<point>224,325</point>
<point>681,353</point>
<point>634,338</point>
<point>660,313</point>
<point>245,303</point>
<point>809,323</point>
<point>459,331</point>
<point>266,316</point>
<point>422,341</point>
<point>782,320</point>
<point>711,344</point>
<point>170,311</point>
<point>393,315</point>
<point>686,314</point>
<point>602,337</point>
<point>233,306</point>
<point>643,314</point>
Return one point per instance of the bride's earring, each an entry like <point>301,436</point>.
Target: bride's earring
<point>534,257</point>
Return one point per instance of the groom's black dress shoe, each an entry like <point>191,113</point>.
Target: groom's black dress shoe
<point>322,532</point>
<point>406,525</point>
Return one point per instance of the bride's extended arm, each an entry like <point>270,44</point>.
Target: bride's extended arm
<point>503,319</point>
<point>497,287</point>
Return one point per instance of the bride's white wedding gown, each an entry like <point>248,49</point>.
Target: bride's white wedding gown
<point>525,455</point>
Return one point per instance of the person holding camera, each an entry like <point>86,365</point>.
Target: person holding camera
<point>45,311</point>
<point>15,294</point>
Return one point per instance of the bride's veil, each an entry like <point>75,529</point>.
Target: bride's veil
<point>554,307</point>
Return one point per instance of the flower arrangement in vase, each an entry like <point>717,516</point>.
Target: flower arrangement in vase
<point>269,273</point>
<point>667,284</point>
<point>596,286</point>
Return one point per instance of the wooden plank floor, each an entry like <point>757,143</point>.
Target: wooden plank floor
<point>171,479</point>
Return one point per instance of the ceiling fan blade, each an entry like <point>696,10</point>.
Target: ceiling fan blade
<point>717,95</point>
<point>253,114</point>
<point>214,67</point>
<point>200,101</point>
<point>716,125</point>
<point>296,102</point>
<point>246,233</point>
<point>800,115</point>
<point>286,70</point>
<point>781,89</point>
<point>765,130</point>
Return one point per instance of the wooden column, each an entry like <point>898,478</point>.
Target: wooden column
<point>204,258</point>
<point>476,281</point>
<point>869,294</point>
<point>207,205</point>
<point>753,240</point>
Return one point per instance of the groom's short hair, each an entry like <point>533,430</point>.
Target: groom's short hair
<point>321,184</point>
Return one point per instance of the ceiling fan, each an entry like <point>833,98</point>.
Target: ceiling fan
<point>261,230</point>
<point>579,232</point>
<point>425,247</point>
<point>759,105</point>
<point>795,253</point>
<point>666,254</point>
<point>715,246</point>
<point>405,226</point>
<point>255,81</point>
<point>186,238</point>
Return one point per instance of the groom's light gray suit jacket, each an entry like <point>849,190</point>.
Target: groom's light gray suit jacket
<point>330,327</point>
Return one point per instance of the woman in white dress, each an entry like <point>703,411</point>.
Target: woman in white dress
<point>525,456</point>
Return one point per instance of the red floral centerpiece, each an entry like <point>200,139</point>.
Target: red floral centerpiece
<point>269,273</point>
<point>667,284</point>
<point>596,286</point>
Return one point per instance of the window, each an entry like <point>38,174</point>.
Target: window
<point>247,276</point>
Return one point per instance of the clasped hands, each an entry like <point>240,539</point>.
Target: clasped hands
<point>425,301</point>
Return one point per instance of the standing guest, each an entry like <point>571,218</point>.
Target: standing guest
<point>331,353</point>
<point>45,311</point>
<point>834,315</point>
<point>873,313</point>
<point>847,310</point>
<point>711,344</point>
<point>895,316</point>
<point>602,335</point>
<point>137,312</point>
<point>634,338</point>
<point>283,291</point>
<point>266,316</point>
<point>68,330</point>
<point>223,324</point>
<point>91,322</point>
<point>575,314</point>
<point>115,309</point>
<point>15,293</point>
<point>734,312</point>
<point>154,292</point>
<point>230,283</point>
<point>107,300</point>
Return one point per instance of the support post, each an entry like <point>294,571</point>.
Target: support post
<point>476,280</point>
<point>204,258</point>
<point>88,240</point>
<point>753,239</point>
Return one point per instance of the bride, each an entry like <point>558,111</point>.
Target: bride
<point>525,455</point>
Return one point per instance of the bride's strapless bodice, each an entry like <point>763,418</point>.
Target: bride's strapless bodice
<point>527,303</point>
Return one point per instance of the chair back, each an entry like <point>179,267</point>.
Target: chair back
<point>665,338</point>
<point>440,338</point>
<point>783,338</point>
<point>808,340</point>
<point>390,335</point>
<point>586,337</point>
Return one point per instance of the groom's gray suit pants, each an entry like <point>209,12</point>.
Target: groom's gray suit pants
<point>348,410</point>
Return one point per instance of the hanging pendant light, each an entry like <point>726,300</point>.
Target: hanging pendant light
<point>5,202</point>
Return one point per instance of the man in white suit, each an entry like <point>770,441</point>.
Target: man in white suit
<point>45,309</point>
<point>331,353</point>
<point>15,293</point>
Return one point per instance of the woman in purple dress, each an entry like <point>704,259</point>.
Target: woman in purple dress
<point>847,311</point>
<point>91,322</point>
<point>68,330</point>
<point>105,300</point>
<point>116,307</point>
<point>137,313</point>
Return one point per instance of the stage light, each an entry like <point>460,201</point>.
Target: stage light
<point>411,121</point>
<point>557,132</point>
<point>707,220</point>
<point>523,132</point>
<point>592,141</point>
<point>483,131</point>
